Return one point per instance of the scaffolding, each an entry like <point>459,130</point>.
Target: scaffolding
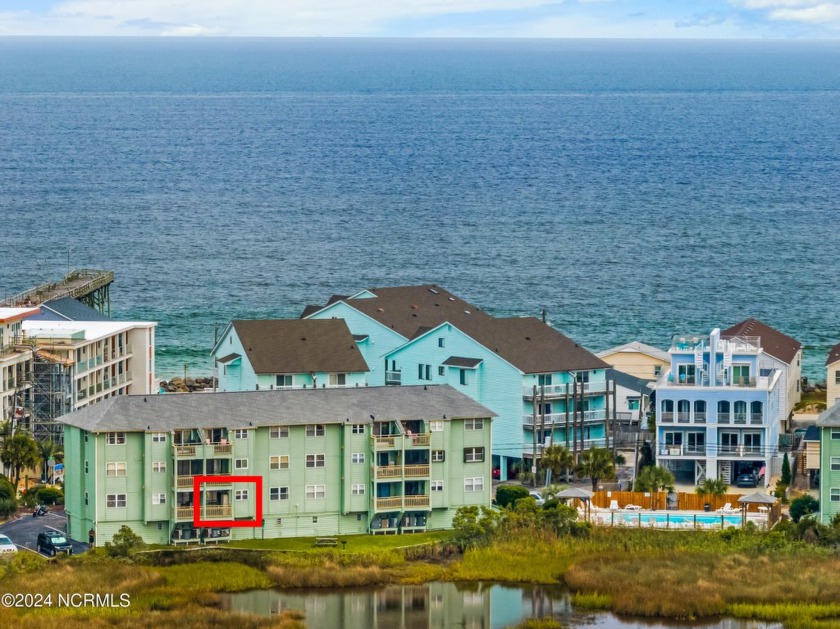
<point>51,394</point>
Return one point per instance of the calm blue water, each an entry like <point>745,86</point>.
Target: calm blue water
<point>634,189</point>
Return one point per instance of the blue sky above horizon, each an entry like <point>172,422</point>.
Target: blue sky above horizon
<point>807,19</point>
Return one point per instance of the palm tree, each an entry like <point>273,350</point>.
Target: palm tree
<point>558,459</point>
<point>596,463</point>
<point>19,452</point>
<point>48,449</point>
<point>654,479</point>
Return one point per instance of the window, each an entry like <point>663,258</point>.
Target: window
<point>462,377</point>
<point>241,494</point>
<point>474,484</point>
<point>158,499</point>
<point>338,379</point>
<point>835,494</point>
<point>158,437</point>
<point>280,462</point>
<point>282,381</point>
<point>438,456</point>
<point>87,467</point>
<point>357,457</point>
<point>740,374</point>
<point>159,467</point>
<point>359,517</point>
<point>115,501</point>
<point>314,519</point>
<point>473,455</point>
<point>279,521</point>
<point>241,464</point>
<point>87,498</point>
<point>314,460</point>
<point>115,438</point>
<point>358,489</point>
<point>835,464</point>
<point>441,342</point>
<point>657,369</point>
<point>441,370</point>
<point>436,425</point>
<point>544,379</point>
<point>437,485</point>
<point>358,429</point>
<point>86,436</point>
<point>835,434</point>
<point>240,433</point>
<point>278,493</point>
<point>633,403</point>
<point>315,492</point>
<point>686,374</point>
<point>837,377</point>
<point>474,424</point>
<point>315,430</point>
<point>424,372</point>
<point>115,469</point>
<point>278,432</point>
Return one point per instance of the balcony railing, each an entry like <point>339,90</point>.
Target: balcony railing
<point>217,511</point>
<point>683,417</point>
<point>393,377</point>
<point>384,442</point>
<point>394,502</point>
<point>724,418</point>
<point>417,501</point>
<point>222,448</point>
<point>682,450</point>
<point>700,418</point>
<point>741,450</point>
<point>422,439</point>
<point>184,513</point>
<point>756,418</point>
<point>416,471</point>
<point>560,418</point>
<point>186,451</point>
<point>387,471</point>
<point>183,481</point>
<point>555,390</point>
<point>667,418</point>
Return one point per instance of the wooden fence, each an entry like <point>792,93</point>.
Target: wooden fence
<point>685,501</point>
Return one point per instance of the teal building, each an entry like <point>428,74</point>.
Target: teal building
<point>332,461</point>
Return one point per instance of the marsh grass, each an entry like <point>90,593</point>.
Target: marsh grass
<point>592,601</point>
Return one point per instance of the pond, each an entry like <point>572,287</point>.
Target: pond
<point>433,605</point>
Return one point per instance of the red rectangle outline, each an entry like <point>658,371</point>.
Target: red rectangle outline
<point>227,480</point>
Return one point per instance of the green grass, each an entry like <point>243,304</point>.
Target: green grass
<point>214,577</point>
<point>355,543</point>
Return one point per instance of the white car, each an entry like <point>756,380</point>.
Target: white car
<point>540,500</point>
<point>6,545</point>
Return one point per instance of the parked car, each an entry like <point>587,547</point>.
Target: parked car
<point>52,542</point>
<point>6,545</point>
<point>540,500</point>
<point>748,479</point>
<point>497,473</point>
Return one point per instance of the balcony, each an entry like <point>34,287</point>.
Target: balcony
<point>384,443</point>
<point>416,471</point>
<point>756,419</point>
<point>184,513</point>
<point>416,501</point>
<point>421,440</point>
<point>559,390</point>
<point>183,481</point>
<point>683,418</point>
<point>217,511</point>
<point>742,450</point>
<point>560,418</point>
<point>386,471</point>
<point>224,449</point>
<point>667,418</point>
<point>189,451</point>
<point>724,418</point>
<point>395,502</point>
<point>699,418</point>
<point>393,377</point>
<point>682,450</point>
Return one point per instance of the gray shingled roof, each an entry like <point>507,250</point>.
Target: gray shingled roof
<point>242,409</point>
<point>830,417</point>
<point>460,361</point>
<point>299,346</point>
<point>833,355</point>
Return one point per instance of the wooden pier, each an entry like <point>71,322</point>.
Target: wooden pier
<point>90,286</point>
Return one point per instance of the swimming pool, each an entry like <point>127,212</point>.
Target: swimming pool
<point>675,520</point>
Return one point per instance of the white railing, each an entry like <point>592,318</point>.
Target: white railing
<point>553,390</point>
<point>393,377</point>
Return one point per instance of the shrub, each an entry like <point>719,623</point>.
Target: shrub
<point>712,487</point>
<point>7,490</point>
<point>8,506</point>
<point>802,506</point>
<point>49,496</point>
<point>507,495</point>
<point>786,475</point>
<point>125,543</point>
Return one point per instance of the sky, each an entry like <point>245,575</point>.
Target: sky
<point>805,19</point>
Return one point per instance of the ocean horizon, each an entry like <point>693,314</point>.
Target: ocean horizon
<point>634,189</point>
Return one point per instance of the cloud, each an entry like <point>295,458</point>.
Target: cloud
<point>701,19</point>
<point>818,12</point>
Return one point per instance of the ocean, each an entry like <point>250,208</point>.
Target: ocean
<point>632,189</point>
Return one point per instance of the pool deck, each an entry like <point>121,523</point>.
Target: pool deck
<point>675,520</point>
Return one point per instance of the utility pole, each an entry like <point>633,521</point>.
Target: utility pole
<point>534,432</point>
<point>614,415</point>
<point>607,417</point>
<point>635,461</point>
<point>542,419</point>
<point>574,420</point>
<point>567,424</point>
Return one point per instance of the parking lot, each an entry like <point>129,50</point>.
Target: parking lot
<point>24,530</point>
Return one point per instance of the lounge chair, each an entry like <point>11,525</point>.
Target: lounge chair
<point>632,507</point>
<point>614,505</point>
<point>727,509</point>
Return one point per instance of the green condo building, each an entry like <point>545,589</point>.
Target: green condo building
<point>325,462</point>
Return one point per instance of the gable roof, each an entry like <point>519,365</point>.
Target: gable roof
<point>630,382</point>
<point>833,355</point>
<point>830,417</point>
<point>812,433</point>
<point>412,310</point>
<point>299,345</point>
<point>639,347</point>
<point>243,409</point>
<point>69,309</point>
<point>773,342</point>
<point>531,345</point>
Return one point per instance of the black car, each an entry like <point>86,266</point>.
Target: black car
<point>52,542</point>
<point>747,480</point>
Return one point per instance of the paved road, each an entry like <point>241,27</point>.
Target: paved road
<point>24,531</point>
